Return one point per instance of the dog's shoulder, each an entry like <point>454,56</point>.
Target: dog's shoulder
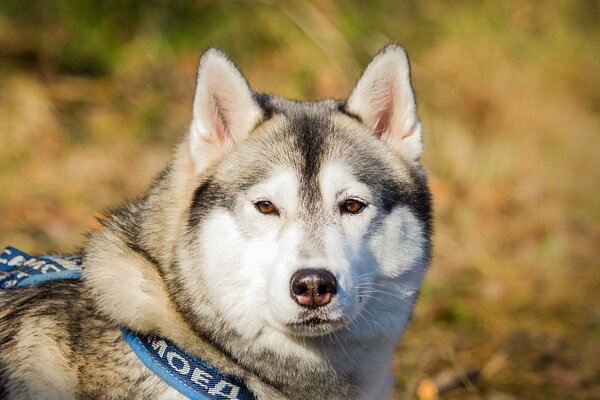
<point>39,327</point>
<point>54,344</point>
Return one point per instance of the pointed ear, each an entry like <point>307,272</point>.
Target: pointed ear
<point>224,110</point>
<point>383,98</point>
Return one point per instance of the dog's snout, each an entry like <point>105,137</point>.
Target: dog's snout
<point>313,287</point>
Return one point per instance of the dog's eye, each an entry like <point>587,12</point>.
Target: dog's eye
<point>352,206</point>
<point>266,207</point>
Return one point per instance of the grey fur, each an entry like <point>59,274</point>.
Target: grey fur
<point>150,238</point>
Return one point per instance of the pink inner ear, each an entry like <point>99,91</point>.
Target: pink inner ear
<point>217,115</point>
<point>382,127</point>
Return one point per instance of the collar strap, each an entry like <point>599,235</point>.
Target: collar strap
<point>189,375</point>
<point>18,269</point>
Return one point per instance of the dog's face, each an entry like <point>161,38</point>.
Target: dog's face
<point>307,217</point>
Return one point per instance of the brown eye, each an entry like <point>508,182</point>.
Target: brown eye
<point>265,207</point>
<point>352,206</point>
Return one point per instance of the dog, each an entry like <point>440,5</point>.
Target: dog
<point>283,248</point>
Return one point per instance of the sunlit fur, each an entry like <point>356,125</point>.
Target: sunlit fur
<point>195,261</point>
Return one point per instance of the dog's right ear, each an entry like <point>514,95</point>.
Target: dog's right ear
<point>224,110</point>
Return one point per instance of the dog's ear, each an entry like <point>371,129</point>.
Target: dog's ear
<point>224,110</point>
<point>383,98</point>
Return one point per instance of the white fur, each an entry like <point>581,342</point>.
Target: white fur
<point>399,245</point>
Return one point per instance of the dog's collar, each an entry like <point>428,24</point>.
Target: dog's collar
<point>191,376</point>
<point>18,269</point>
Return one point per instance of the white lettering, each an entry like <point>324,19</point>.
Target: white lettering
<point>201,378</point>
<point>185,367</point>
<point>158,343</point>
<point>47,267</point>
<point>34,263</point>
<point>18,260</point>
<point>232,393</point>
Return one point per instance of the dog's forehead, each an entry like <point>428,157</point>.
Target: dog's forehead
<point>307,136</point>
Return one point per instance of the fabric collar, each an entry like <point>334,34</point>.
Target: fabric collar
<point>18,269</point>
<point>189,375</point>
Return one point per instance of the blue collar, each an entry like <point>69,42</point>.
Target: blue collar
<point>18,269</point>
<point>191,376</point>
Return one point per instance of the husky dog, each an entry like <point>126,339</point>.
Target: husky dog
<point>284,244</point>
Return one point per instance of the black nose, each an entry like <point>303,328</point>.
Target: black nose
<point>313,287</point>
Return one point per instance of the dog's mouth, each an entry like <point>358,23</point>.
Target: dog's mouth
<point>315,325</point>
<point>314,321</point>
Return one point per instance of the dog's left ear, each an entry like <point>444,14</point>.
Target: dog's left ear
<point>224,110</point>
<point>384,99</point>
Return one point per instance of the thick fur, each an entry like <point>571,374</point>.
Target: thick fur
<point>194,261</point>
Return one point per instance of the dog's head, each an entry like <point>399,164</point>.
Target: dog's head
<point>306,217</point>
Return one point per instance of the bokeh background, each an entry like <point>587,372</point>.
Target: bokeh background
<point>94,95</point>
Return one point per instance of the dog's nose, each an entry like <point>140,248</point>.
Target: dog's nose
<point>313,287</point>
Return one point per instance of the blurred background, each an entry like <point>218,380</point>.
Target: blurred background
<point>94,95</point>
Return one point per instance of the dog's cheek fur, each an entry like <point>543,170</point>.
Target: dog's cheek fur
<point>244,258</point>
<point>401,246</point>
<point>401,251</point>
<point>216,270</point>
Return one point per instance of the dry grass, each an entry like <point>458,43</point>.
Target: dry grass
<point>92,98</point>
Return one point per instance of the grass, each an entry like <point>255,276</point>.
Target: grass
<point>93,97</point>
